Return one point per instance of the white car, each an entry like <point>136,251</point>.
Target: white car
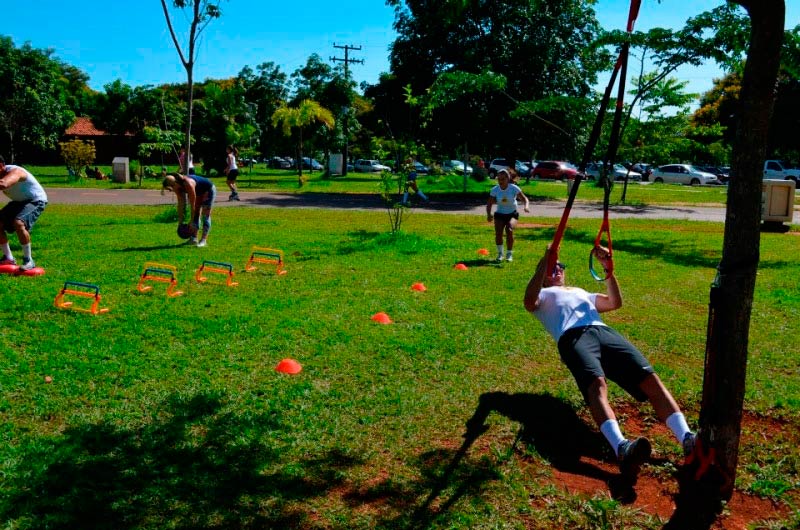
<point>369,166</point>
<point>682,174</point>
<point>456,166</point>
<point>619,171</point>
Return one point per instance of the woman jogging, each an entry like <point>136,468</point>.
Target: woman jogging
<point>505,196</point>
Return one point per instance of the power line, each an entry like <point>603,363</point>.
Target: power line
<point>347,60</point>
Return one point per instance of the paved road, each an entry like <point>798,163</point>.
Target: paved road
<point>344,201</point>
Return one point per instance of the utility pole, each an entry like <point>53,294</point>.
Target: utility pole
<point>347,60</point>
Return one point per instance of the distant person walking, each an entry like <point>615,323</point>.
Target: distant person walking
<point>28,200</point>
<point>411,181</point>
<point>232,171</point>
<point>199,193</point>
<point>182,163</point>
<point>505,196</point>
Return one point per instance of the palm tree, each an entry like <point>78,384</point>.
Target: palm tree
<point>306,113</point>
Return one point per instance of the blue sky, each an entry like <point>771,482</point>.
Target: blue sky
<point>128,40</point>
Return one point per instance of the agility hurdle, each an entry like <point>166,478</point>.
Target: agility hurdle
<point>268,256</point>
<point>159,272</point>
<point>216,267</point>
<point>81,290</point>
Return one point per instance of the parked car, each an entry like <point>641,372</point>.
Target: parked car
<point>277,162</point>
<point>644,169</point>
<point>721,174</point>
<point>369,166</point>
<point>618,172</point>
<point>522,169</point>
<point>310,163</point>
<point>683,174</point>
<point>421,168</point>
<point>553,169</point>
<point>778,169</point>
<point>456,166</point>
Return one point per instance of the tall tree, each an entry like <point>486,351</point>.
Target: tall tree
<point>202,13</point>
<point>716,455</point>
<point>266,89</point>
<point>33,98</point>
<point>542,47</point>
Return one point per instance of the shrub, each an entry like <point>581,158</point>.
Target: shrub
<point>77,154</point>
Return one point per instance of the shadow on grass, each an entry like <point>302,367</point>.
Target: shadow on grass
<point>549,425</point>
<point>194,466</point>
<point>155,247</point>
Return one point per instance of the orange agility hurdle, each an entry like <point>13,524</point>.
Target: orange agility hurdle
<point>82,290</point>
<point>218,268</point>
<point>158,272</point>
<point>269,256</point>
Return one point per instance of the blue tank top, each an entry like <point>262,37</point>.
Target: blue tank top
<point>202,184</point>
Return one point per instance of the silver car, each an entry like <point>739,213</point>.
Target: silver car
<point>683,174</point>
<point>618,171</point>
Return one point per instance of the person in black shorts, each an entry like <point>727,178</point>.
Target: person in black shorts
<point>594,352</point>
<point>27,201</point>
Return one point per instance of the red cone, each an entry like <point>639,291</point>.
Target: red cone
<point>483,252</point>
<point>419,286</point>
<point>460,267</point>
<point>288,366</point>
<point>381,318</point>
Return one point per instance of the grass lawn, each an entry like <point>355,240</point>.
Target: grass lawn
<point>168,413</point>
<point>285,181</point>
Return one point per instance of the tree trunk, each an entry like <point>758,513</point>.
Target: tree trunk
<point>712,471</point>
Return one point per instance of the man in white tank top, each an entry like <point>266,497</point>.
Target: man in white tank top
<point>28,200</point>
<point>594,352</point>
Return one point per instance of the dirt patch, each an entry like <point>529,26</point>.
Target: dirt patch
<point>655,494</point>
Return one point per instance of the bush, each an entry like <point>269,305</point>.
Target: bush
<point>479,174</point>
<point>77,154</point>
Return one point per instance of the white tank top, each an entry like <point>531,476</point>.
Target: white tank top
<point>563,308</point>
<point>27,189</point>
<point>232,161</point>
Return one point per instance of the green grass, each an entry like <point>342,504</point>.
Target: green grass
<point>286,181</point>
<point>167,412</point>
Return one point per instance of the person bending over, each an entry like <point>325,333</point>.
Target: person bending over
<point>594,352</point>
<point>199,193</point>
<point>28,200</point>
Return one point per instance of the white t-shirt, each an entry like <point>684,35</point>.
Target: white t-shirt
<point>564,308</point>
<point>506,198</point>
<point>25,190</point>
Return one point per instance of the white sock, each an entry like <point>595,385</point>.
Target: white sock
<point>508,254</point>
<point>26,251</point>
<point>499,250</point>
<point>7,251</point>
<point>610,429</point>
<point>677,424</point>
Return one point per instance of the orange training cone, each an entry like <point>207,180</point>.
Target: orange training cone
<point>483,252</point>
<point>381,318</point>
<point>288,366</point>
<point>460,267</point>
<point>419,286</point>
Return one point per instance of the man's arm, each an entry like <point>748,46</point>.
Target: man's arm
<point>531,300</point>
<point>613,298</point>
<point>11,177</point>
<point>489,208</point>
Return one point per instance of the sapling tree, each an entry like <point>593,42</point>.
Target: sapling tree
<point>202,13</point>
<point>77,154</point>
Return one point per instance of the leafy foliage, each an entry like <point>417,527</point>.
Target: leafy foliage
<point>77,154</point>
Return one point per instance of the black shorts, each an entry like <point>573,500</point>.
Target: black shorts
<point>599,351</point>
<point>232,174</point>
<point>27,212</point>
<point>505,218</point>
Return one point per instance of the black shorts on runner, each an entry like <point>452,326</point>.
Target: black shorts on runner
<point>599,351</point>
<point>505,218</point>
<point>27,212</point>
<point>232,174</point>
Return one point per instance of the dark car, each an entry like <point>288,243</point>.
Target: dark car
<point>721,174</point>
<point>277,162</point>
<point>554,170</point>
